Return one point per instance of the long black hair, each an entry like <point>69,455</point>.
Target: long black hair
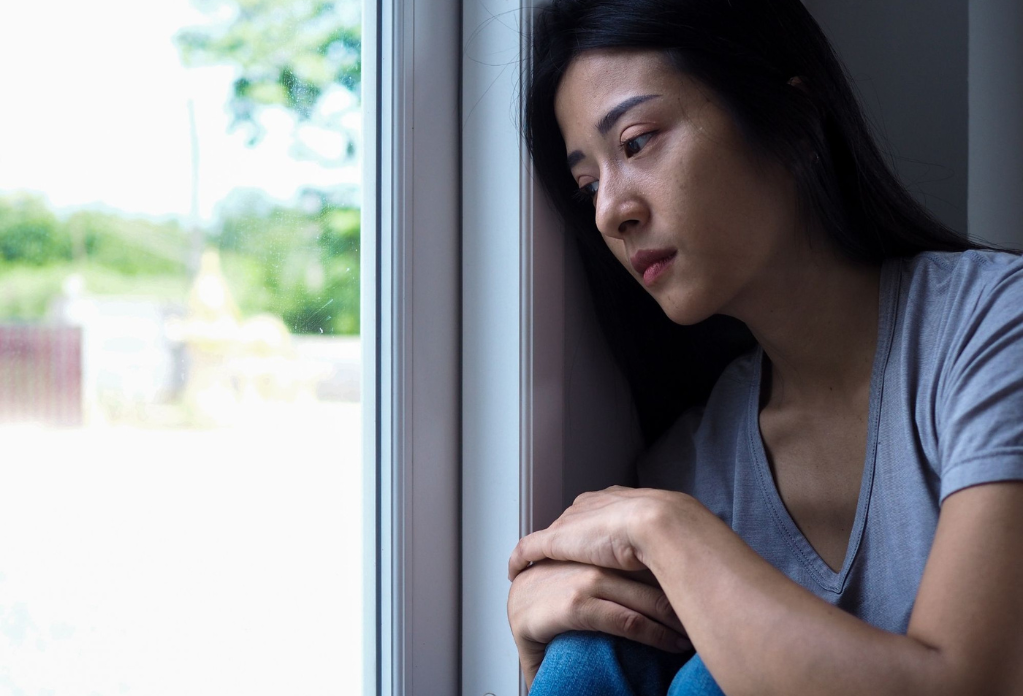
<point>746,52</point>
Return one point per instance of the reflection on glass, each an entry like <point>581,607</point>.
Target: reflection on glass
<point>180,477</point>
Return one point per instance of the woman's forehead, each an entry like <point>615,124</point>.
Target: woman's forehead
<point>596,81</point>
<point>602,68</point>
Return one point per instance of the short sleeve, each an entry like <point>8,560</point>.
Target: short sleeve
<point>979,408</point>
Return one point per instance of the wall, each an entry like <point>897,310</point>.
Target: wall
<point>909,61</point>
<point>996,121</point>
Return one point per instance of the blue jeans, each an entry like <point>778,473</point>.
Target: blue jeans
<point>596,664</point>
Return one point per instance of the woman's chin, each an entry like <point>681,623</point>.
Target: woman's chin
<point>685,311</point>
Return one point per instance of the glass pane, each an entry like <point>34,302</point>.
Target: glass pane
<point>180,419</point>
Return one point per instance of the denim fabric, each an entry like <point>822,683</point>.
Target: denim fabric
<point>694,680</point>
<point>596,664</point>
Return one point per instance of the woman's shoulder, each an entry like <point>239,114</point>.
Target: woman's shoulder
<point>943,273</point>
<point>939,298</point>
<point>949,307</point>
<point>962,334</point>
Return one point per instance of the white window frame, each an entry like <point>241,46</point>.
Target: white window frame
<point>412,348</point>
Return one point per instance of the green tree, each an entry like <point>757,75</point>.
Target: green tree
<point>302,264</point>
<point>131,247</point>
<point>289,53</point>
<point>114,254</point>
<point>30,233</point>
<point>303,267</point>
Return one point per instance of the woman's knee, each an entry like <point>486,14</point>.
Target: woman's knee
<point>584,645</point>
<point>596,664</point>
<point>694,680</point>
<point>576,662</point>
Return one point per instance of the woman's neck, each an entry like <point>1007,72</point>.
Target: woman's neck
<point>817,321</point>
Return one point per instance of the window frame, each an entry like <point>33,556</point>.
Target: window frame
<point>412,349</point>
<point>513,310</point>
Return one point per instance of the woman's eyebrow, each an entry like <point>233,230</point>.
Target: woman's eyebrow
<point>610,119</point>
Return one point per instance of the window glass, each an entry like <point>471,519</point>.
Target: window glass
<point>180,420</point>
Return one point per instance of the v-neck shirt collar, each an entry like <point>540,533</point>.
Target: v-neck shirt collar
<point>828,579</point>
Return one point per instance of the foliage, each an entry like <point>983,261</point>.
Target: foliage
<point>27,292</point>
<point>132,247</point>
<point>308,269</point>
<point>30,232</point>
<point>289,53</point>
<point>300,266</point>
<point>299,263</point>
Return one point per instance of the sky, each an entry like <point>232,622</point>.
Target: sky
<point>94,113</point>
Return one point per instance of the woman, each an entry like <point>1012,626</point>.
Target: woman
<point>833,380</point>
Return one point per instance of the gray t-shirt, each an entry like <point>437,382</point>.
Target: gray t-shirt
<point>946,412</point>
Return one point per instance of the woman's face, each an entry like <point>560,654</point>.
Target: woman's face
<point>678,198</point>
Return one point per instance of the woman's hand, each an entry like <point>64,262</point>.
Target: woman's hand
<point>552,597</point>
<point>601,529</point>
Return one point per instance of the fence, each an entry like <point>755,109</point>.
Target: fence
<point>41,374</point>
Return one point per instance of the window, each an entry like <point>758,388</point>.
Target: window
<point>181,481</point>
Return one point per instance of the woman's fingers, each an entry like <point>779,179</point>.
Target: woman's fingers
<point>613,618</point>
<point>646,599</point>
<point>553,597</point>
<point>588,541</point>
<point>524,553</point>
<point>546,544</point>
<point>597,529</point>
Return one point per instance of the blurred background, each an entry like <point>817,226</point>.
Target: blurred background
<point>180,470</point>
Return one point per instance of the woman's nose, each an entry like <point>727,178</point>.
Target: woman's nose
<point>619,207</point>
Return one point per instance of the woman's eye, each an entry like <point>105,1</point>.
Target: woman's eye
<point>633,146</point>
<point>587,193</point>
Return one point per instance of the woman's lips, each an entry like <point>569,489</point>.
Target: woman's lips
<point>654,270</point>
<point>650,264</point>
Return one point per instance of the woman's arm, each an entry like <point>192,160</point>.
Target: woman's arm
<point>760,633</point>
